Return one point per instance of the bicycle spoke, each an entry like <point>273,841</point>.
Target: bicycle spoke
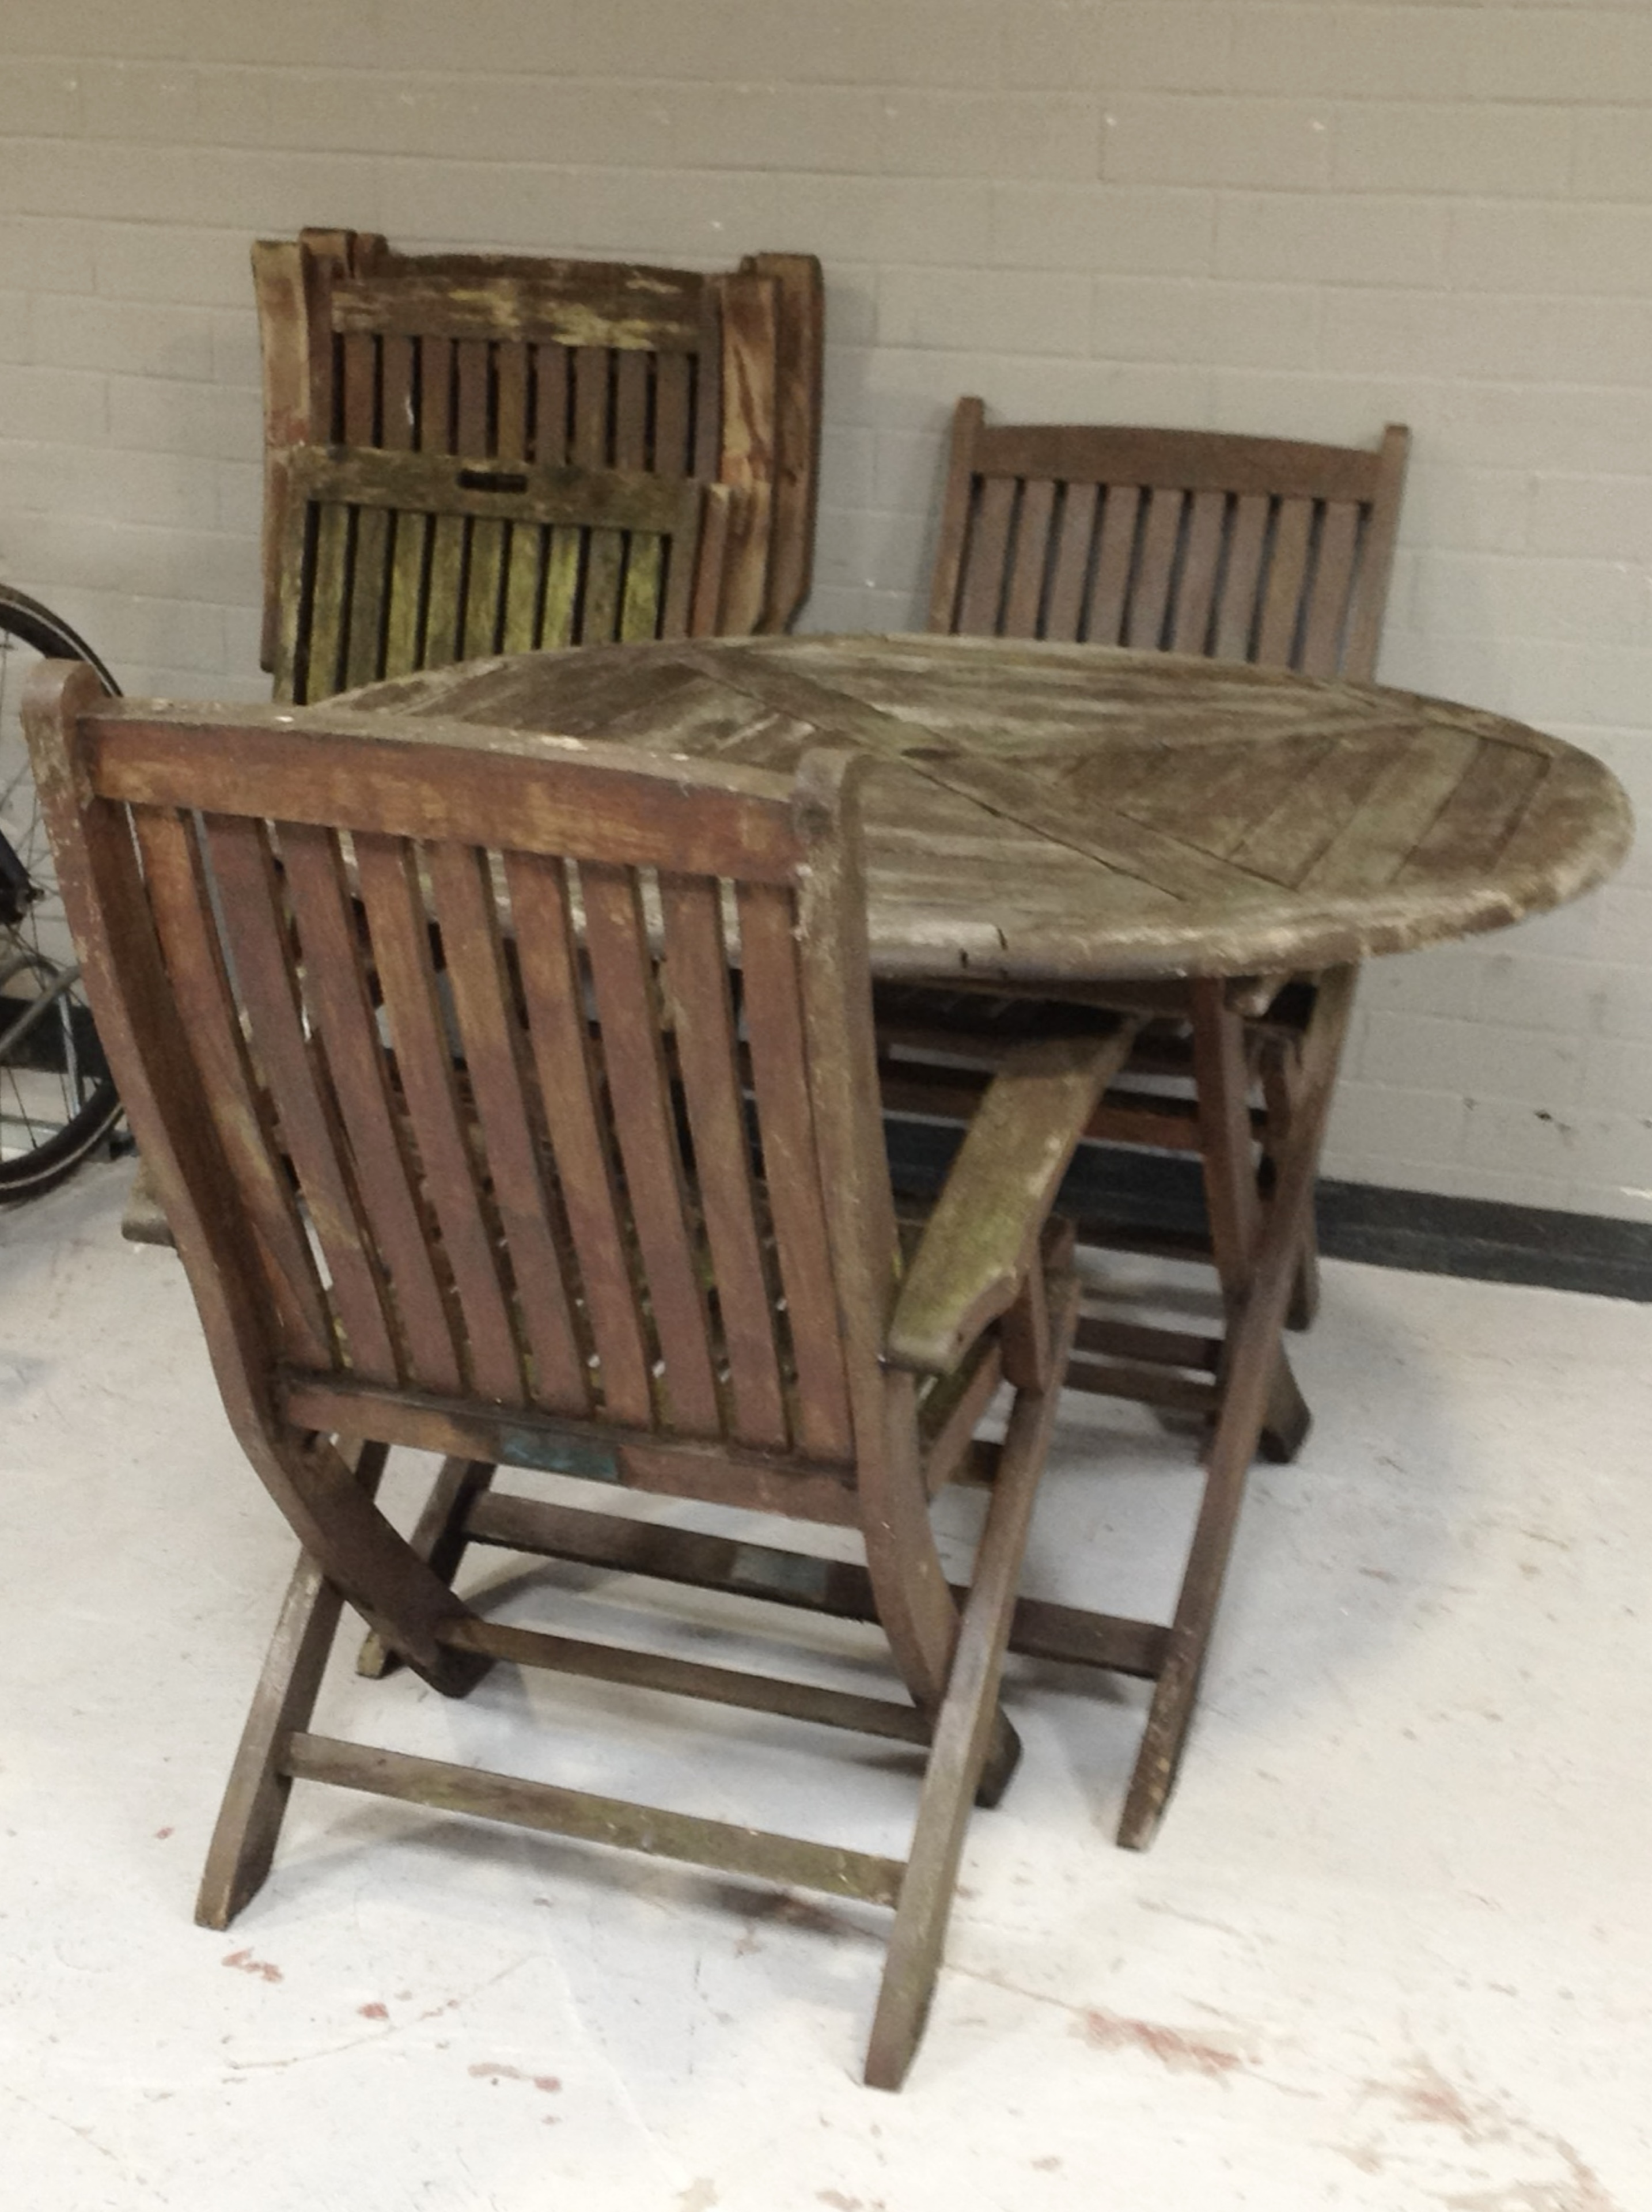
<point>56,1099</point>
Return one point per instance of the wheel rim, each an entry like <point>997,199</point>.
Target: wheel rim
<point>56,1098</point>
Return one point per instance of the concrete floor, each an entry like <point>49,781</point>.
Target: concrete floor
<point>1391,1948</point>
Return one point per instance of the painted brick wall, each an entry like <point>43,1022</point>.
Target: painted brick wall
<point>1304,220</point>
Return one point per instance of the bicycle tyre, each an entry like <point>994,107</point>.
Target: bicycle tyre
<point>91,1115</point>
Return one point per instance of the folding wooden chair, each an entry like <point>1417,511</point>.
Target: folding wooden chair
<point>1237,548</point>
<point>639,1228</point>
<point>400,561</point>
<point>522,358</point>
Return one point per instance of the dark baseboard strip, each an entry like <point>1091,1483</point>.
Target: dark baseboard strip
<point>1480,1238</point>
<point>1487,1239</point>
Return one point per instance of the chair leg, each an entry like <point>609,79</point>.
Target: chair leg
<point>438,1538</point>
<point>963,1729</point>
<point>1304,1306</point>
<point>1233,1201</point>
<point>249,1820</point>
<point>1253,1339</point>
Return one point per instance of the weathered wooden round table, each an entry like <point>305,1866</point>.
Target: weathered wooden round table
<point>1058,813</point>
<point>1078,816</point>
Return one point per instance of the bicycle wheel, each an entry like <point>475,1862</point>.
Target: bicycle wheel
<point>57,1103</point>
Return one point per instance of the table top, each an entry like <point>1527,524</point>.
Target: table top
<point>1058,813</point>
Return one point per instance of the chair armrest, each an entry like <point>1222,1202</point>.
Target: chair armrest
<point>982,1237</point>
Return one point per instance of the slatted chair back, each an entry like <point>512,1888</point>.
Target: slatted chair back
<point>447,1045</point>
<point>395,562</point>
<point>522,358</point>
<point>1238,548</point>
<point>515,1100</point>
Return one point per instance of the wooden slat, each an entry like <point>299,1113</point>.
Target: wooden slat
<point>1069,571</point>
<point>474,440</point>
<point>1287,569</point>
<point>708,395</point>
<point>484,587</point>
<point>703,1029</point>
<point>488,789</point>
<point>1473,826</point>
<point>1290,840</point>
<point>631,410</point>
<point>543,925</point>
<point>799,354</point>
<point>387,877</point>
<point>640,606</point>
<point>180,900</point>
<point>689,1678</point>
<point>444,601</point>
<point>338,1001</point>
<point>673,374</point>
<point>550,398</point>
<point>329,602</point>
<point>1566,811</point>
<point>359,391</point>
<point>957,504</point>
<point>1398,810</point>
<point>790,1167</point>
<point>694,587</point>
<point>1032,548</point>
<point>1195,598</point>
<point>369,591</point>
<point>746,456</point>
<point>1150,599</point>
<point>280,280</point>
<point>1114,560</point>
<point>982,596</point>
<point>1328,595</point>
<point>592,427</point>
<point>1236,612</point>
<point>561,624</point>
<point>715,1470</point>
<point>451,484</point>
<point>1189,460</point>
<point>523,589</point>
<point>560,1812</point>
<point>572,307</point>
<point>396,373</point>
<point>604,569</point>
<point>404,635</point>
<point>627,1014</point>
<point>436,394</point>
<point>495,1066</point>
<point>796,1580</point>
<point>511,369</point>
<point>1370,595</point>
<point>252,926</point>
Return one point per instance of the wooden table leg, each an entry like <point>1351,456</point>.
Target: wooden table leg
<point>1253,1344</point>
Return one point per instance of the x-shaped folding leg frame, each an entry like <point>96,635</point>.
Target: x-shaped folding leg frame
<point>1259,1246</point>
<point>971,1749</point>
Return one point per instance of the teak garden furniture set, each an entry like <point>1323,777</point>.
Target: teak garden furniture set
<point>508,1037</point>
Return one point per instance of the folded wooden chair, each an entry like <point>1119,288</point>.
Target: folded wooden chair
<point>395,562</point>
<point>524,358</point>
<point>638,1227</point>
<point>1238,548</point>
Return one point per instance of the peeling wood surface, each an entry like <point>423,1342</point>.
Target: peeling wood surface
<point>1055,813</point>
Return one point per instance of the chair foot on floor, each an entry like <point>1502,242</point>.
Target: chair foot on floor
<point>1003,1757</point>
